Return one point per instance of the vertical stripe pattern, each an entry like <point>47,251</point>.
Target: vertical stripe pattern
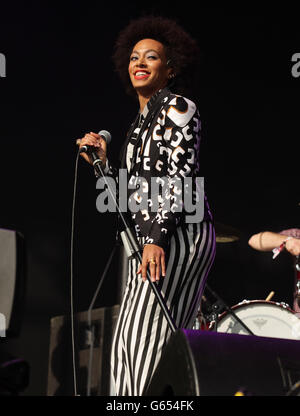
<point>142,330</point>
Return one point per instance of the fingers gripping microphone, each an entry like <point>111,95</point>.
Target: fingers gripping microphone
<point>91,149</point>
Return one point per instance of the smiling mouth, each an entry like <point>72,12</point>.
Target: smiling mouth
<point>141,75</point>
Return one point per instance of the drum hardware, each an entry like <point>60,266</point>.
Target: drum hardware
<point>298,289</point>
<point>297,263</point>
<point>297,267</point>
<point>208,319</point>
<point>283,304</point>
<point>297,279</point>
<point>216,307</point>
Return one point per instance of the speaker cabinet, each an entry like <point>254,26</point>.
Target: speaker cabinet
<point>60,370</point>
<point>203,363</point>
<point>12,282</point>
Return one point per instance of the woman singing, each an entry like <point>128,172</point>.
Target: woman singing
<point>156,59</point>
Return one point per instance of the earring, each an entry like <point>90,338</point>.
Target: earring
<point>171,76</point>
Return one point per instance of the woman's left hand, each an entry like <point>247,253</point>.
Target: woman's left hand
<point>154,256</point>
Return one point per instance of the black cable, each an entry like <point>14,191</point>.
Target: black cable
<point>72,277</point>
<point>91,328</point>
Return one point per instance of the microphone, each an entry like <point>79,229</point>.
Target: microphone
<point>91,149</point>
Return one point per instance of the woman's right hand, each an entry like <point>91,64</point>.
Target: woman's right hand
<point>93,139</point>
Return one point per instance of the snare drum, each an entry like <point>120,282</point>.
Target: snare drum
<point>263,318</point>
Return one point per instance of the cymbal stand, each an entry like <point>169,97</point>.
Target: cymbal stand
<point>297,273</point>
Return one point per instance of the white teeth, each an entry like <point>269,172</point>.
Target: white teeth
<point>141,73</point>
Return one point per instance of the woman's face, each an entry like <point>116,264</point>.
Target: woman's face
<point>148,68</point>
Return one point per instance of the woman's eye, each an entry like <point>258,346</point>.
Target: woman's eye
<point>151,57</point>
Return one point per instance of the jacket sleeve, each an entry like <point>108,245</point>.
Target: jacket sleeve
<point>181,141</point>
<point>108,170</point>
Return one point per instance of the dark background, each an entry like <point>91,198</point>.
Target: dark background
<point>61,83</point>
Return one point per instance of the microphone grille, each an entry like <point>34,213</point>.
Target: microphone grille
<point>106,135</point>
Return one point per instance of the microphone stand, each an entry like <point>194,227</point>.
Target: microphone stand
<point>133,249</point>
<point>134,246</point>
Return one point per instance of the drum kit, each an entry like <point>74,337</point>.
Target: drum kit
<point>250,317</point>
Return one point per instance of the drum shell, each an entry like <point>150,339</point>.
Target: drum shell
<point>263,318</point>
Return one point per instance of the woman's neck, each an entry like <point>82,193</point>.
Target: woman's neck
<point>145,96</point>
<point>143,100</point>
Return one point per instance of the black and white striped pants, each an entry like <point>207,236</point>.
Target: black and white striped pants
<point>142,330</point>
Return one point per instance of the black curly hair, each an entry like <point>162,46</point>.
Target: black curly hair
<point>181,49</point>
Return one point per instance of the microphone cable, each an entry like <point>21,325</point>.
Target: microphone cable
<point>107,137</point>
<point>72,277</point>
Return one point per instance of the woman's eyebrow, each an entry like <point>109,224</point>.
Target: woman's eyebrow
<point>148,50</point>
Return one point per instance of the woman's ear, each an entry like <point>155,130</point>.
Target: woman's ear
<point>171,73</point>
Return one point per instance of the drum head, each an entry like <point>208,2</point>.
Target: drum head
<point>263,318</point>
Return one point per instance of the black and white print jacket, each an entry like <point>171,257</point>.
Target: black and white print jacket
<point>159,156</point>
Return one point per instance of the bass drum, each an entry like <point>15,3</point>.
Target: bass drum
<point>263,318</point>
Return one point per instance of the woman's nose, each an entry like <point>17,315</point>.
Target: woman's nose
<point>141,62</point>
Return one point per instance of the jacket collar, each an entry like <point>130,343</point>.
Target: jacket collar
<point>153,100</point>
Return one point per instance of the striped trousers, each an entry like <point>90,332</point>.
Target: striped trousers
<point>142,330</point>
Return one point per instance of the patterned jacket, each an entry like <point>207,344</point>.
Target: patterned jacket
<point>161,156</point>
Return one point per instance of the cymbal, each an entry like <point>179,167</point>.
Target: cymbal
<point>225,233</point>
